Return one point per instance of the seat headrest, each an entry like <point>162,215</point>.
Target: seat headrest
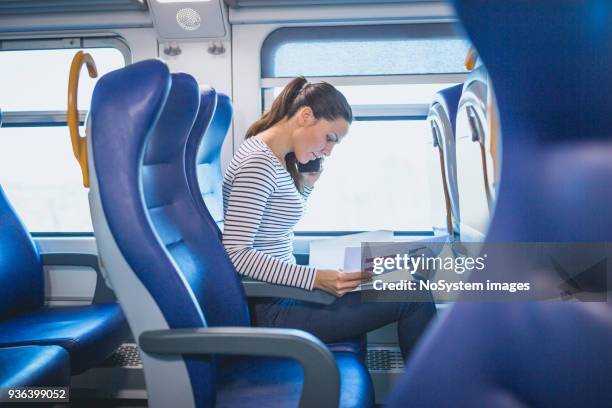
<point>448,98</point>
<point>201,127</point>
<point>210,151</point>
<point>177,118</point>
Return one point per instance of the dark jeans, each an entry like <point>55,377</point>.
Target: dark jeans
<point>348,317</point>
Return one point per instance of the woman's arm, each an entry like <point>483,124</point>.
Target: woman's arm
<point>253,185</point>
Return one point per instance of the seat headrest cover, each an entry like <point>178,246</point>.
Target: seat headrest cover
<point>449,99</point>
<point>479,74</point>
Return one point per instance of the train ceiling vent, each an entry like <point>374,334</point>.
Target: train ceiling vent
<point>189,19</point>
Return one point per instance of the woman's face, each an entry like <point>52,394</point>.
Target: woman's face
<point>316,137</point>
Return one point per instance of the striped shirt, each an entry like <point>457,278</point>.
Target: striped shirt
<point>261,206</point>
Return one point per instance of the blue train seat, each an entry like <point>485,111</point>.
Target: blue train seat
<point>555,187</point>
<point>443,165</point>
<point>88,333</point>
<point>183,300</point>
<point>34,366</point>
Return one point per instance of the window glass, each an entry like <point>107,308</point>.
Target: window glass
<point>42,179</point>
<point>37,80</point>
<point>380,170</point>
<point>375,179</point>
<point>371,58</point>
<point>364,50</point>
<point>38,171</point>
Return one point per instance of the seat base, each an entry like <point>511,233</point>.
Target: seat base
<point>272,382</point>
<point>34,366</point>
<point>357,346</point>
<point>88,333</point>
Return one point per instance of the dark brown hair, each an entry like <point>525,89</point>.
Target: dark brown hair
<point>325,101</point>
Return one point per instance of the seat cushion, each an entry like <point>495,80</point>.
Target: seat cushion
<point>34,366</point>
<point>88,333</point>
<point>272,382</point>
<point>357,345</point>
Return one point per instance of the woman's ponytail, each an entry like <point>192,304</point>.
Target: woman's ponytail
<point>280,107</point>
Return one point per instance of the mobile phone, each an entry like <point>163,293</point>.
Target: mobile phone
<point>312,166</point>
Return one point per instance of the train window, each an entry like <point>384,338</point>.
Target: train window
<point>378,177</point>
<point>369,186</point>
<point>37,169</point>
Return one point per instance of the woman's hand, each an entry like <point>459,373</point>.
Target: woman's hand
<point>339,283</point>
<point>312,177</point>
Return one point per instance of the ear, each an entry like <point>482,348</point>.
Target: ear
<point>305,116</point>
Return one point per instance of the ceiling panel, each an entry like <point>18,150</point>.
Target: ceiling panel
<point>20,7</point>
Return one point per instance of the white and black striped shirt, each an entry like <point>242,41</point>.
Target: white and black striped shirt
<point>261,206</point>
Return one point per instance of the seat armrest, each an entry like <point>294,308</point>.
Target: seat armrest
<point>255,288</point>
<point>103,294</point>
<point>321,386</point>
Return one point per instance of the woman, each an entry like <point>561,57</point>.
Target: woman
<point>264,197</point>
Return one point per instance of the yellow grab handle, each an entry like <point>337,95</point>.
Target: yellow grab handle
<point>470,59</point>
<point>79,143</point>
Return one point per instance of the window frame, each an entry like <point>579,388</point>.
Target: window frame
<point>46,118</point>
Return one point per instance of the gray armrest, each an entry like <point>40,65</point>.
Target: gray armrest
<point>102,293</point>
<point>321,386</point>
<point>255,288</point>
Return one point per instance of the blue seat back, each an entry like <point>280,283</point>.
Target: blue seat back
<point>208,104</point>
<point>21,272</point>
<point>554,187</point>
<point>207,147</point>
<point>554,113</point>
<point>140,121</point>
